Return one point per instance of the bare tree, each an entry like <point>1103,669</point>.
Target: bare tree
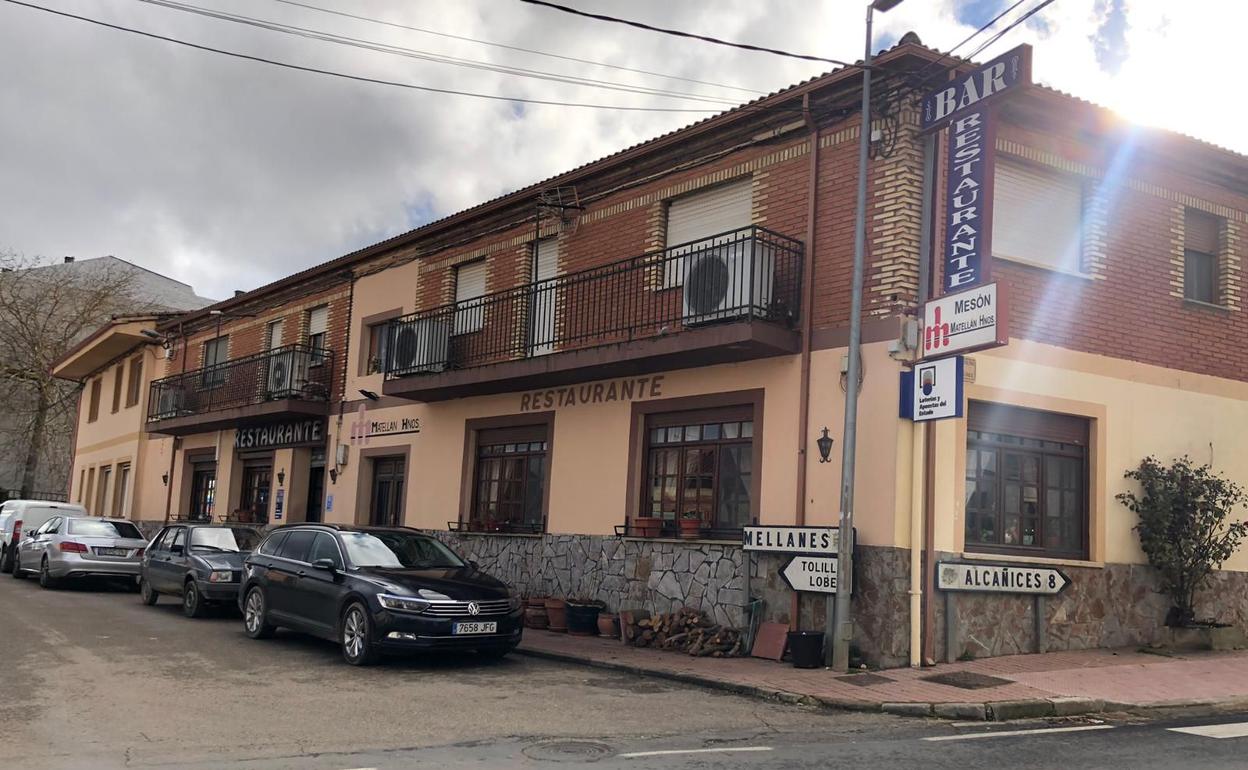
<point>44,311</point>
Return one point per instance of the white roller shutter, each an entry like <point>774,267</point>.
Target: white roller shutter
<point>469,288</point>
<point>542,326</point>
<point>1037,216</point>
<point>704,214</point>
<point>547,263</point>
<point>318,320</point>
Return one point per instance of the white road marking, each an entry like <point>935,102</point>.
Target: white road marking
<point>1010,733</point>
<point>669,752</point>
<point>1233,730</point>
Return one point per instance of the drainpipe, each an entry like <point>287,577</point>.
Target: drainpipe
<point>919,533</point>
<point>808,322</point>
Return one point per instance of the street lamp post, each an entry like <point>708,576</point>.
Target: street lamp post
<point>837,655</point>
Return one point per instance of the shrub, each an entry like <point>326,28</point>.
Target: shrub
<point>1183,526</point>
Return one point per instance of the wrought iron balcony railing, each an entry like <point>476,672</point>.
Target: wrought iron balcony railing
<point>292,372</point>
<point>751,273</point>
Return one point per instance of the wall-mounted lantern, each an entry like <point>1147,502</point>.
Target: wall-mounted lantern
<point>825,447</point>
<point>164,479</point>
<point>281,477</point>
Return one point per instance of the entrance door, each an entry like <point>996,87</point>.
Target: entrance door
<point>254,506</point>
<point>386,504</point>
<point>316,493</point>
<point>203,492</point>
<point>542,330</point>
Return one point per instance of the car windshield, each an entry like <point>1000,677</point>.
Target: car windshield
<point>224,538</point>
<point>398,549</point>
<point>98,528</point>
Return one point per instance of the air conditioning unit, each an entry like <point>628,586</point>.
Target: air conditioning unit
<point>281,382</point>
<point>170,403</point>
<point>420,346</point>
<point>729,280</point>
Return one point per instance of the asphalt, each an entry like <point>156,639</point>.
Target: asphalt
<point>90,678</point>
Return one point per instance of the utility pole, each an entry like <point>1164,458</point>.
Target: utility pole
<point>837,654</point>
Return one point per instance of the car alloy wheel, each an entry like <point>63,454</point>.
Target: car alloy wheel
<point>146,592</point>
<point>17,567</point>
<point>357,647</point>
<point>254,615</point>
<point>45,577</point>
<point>192,604</point>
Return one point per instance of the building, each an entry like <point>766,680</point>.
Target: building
<point>591,385</point>
<point>73,296</point>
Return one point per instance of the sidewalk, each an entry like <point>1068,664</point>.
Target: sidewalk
<point>1053,684</point>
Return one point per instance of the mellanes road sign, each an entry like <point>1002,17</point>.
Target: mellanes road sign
<point>811,573</point>
<point>1000,579</point>
<point>790,539</point>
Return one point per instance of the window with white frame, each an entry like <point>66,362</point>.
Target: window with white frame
<point>1037,216</point>
<point>469,294</point>
<point>694,220</point>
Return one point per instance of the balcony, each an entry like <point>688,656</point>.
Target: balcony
<point>732,297</point>
<point>292,380</point>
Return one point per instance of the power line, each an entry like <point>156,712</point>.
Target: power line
<point>924,81</point>
<point>1012,25</point>
<point>679,33</point>
<point>412,53</point>
<point>345,76</point>
<point>520,49</point>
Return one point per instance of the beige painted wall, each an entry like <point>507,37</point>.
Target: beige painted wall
<point>1136,410</point>
<point>589,456</point>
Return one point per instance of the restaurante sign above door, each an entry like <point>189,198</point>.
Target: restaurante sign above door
<point>281,435</point>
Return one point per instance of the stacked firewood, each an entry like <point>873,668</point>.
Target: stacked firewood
<point>685,630</point>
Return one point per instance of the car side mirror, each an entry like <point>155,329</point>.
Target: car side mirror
<point>325,564</point>
<point>177,550</point>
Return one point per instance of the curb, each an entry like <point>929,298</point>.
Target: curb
<point>987,711</point>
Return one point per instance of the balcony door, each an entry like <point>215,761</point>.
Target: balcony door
<point>543,295</point>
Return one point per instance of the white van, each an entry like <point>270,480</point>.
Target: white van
<point>20,516</point>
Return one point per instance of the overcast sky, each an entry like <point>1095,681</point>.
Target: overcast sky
<point>229,174</point>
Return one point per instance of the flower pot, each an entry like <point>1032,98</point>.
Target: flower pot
<point>690,529</point>
<point>535,613</point>
<point>557,615</point>
<point>608,625</point>
<point>646,526</point>
<point>583,618</point>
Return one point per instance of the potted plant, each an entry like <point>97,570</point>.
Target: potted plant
<point>535,612</point>
<point>1184,532</point>
<point>690,525</point>
<point>647,526</point>
<point>583,616</point>
<point>608,625</point>
<point>557,614</point>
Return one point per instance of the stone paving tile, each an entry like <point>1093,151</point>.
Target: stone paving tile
<point>1120,676</point>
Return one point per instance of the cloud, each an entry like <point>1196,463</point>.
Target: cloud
<point>1110,40</point>
<point>229,174</point>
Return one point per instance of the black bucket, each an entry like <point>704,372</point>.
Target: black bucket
<point>806,648</point>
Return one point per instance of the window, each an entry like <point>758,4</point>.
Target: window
<point>179,539</point>
<point>694,219</point>
<point>510,479</point>
<point>700,465</point>
<point>93,409</point>
<point>254,505</point>
<point>97,528</point>
<point>121,493</point>
<point>1026,482</point>
<point>324,547</point>
<point>318,327</point>
<point>90,485</point>
<point>215,352</point>
<point>1201,233</point>
<point>273,334</point>
<point>297,545</point>
<point>469,291</point>
<point>119,371</point>
<point>273,543</point>
<point>135,382</point>
<point>1037,216</point>
<point>378,347</point>
<point>101,492</point>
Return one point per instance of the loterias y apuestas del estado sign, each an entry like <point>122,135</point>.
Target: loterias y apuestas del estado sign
<point>999,578</point>
<point>280,435</point>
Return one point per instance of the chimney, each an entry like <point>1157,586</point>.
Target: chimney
<point>69,260</point>
<point>239,292</point>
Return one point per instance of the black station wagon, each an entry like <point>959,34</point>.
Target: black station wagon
<point>374,590</point>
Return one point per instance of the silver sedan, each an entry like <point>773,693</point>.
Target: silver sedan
<point>81,546</point>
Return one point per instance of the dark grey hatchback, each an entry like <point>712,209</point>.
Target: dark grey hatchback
<point>374,590</point>
<point>201,563</point>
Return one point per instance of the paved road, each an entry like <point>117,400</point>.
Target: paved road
<point>90,678</point>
